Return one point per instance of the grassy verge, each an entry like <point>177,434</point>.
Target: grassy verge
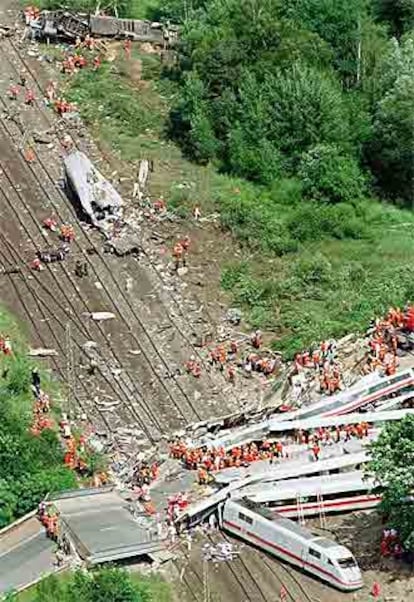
<point>30,466</point>
<point>309,271</point>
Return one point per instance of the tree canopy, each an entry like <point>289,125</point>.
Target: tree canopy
<point>104,584</point>
<point>393,466</point>
<point>262,83</point>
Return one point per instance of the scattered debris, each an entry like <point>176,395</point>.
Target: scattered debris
<point>234,316</point>
<point>42,138</point>
<point>128,243</point>
<point>42,352</point>
<point>221,552</point>
<point>100,316</point>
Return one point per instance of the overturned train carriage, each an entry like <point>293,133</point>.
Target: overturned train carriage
<point>68,25</point>
<point>97,197</point>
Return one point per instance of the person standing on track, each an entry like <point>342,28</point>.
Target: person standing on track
<point>36,381</point>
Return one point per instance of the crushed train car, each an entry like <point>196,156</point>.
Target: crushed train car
<point>63,24</point>
<point>98,198</point>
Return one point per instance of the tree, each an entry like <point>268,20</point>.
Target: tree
<point>190,123</point>
<point>390,152</point>
<point>398,14</point>
<point>8,503</point>
<point>339,23</point>
<point>107,585</point>
<point>393,466</point>
<point>104,584</point>
<point>328,175</point>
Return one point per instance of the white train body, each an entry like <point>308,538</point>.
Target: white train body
<point>343,492</point>
<point>288,541</point>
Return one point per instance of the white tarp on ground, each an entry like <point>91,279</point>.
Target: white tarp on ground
<point>99,199</point>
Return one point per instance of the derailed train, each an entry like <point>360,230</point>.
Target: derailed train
<point>60,23</point>
<point>285,539</point>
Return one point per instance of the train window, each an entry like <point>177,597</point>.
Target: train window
<point>315,553</point>
<point>347,563</point>
<point>245,518</point>
<point>329,561</point>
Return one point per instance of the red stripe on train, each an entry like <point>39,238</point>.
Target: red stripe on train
<point>326,504</point>
<point>290,554</point>
<point>371,397</point>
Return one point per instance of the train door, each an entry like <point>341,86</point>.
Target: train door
<point>304,557</point>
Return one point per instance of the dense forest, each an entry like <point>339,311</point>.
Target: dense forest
<point>318,90</point>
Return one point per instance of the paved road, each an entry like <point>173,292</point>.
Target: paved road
<point>25,554</point>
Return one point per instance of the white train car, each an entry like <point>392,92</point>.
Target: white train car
<point>290,542</point>
<point>369,390</point>
<point>343,492</point>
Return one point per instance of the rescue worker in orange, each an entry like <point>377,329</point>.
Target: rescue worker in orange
<point>179,255</point>
<point>50,224</point>
<point>256,339</point>
<point>67,233</point>
<point>29,97</point>
<point>13,92</point>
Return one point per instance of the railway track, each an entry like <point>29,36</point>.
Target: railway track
<point>178,310</point>
<point>66,311</point>
<point>289,581</point>
<point>185,415</point>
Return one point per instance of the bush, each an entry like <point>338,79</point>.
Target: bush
<point>330,176</point>
<point>311,222</point>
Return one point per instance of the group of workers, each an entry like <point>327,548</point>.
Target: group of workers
<point>390,544</point>
<point>14,90</point>
<point>41,408</point>
<point>207,460</point>
<point>322,358</point>
<point>327,436</point>
<point>49,517</point>
<point>145,473</point>
<point>66,235</point>
<point>176,504</point>
<point>226,357</point>
<point>383,339</point>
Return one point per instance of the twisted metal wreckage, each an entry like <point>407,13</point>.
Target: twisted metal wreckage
<point>62,24</point>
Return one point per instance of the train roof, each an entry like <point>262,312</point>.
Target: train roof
<point>291,526</point>
<point>260,429</point>
<point>319,421</point>
<point>368,384</point>
<point>261,471</point>
<point>293,488</point>
<point>286,523</point>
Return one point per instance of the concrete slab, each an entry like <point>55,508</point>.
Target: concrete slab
<point>104,527</point>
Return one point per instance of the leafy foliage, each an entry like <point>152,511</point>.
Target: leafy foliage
<point>105,584</point>
<point>393,466</point>
<point>30,466</point>
<point>392,148</point>
<point>398,14</point>
<point>330,176</point>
